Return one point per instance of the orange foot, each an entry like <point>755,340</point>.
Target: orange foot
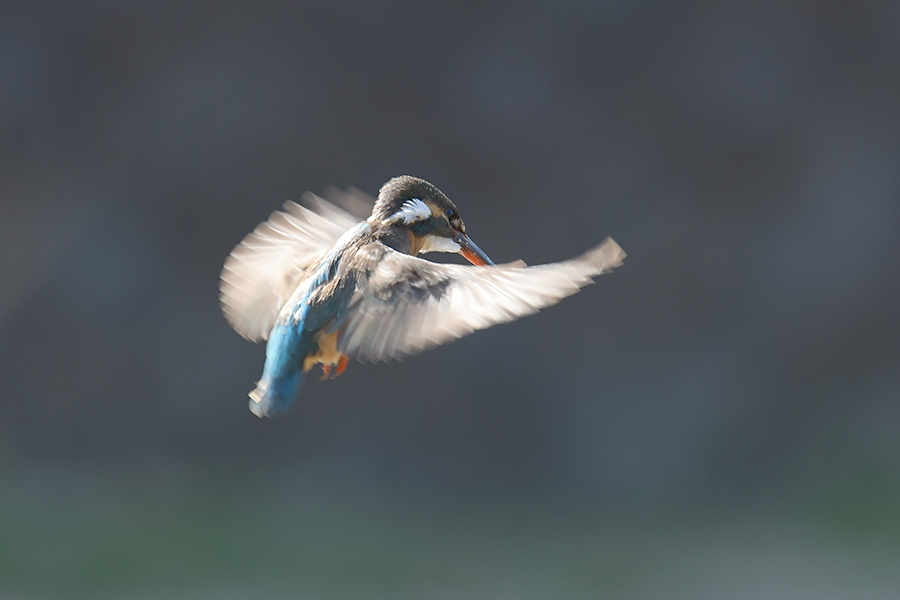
<point>341,366</point>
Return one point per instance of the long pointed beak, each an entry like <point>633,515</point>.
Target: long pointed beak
<point>471,251</point>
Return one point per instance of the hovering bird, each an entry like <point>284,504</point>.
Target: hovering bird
<point>322,285</point>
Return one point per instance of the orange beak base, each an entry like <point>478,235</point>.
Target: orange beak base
<point>471,251</point>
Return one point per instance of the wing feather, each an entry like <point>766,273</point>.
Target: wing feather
<point>407,304</point>
<point>262,271</point>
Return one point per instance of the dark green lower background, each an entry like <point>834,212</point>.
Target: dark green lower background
<point>189,532</point>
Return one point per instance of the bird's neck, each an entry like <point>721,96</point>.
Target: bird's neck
<point>400,239</point>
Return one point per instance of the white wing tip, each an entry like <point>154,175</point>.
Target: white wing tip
<point>607,256</point>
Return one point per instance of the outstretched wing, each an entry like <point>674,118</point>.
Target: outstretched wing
<point>263,270</point>
<point>408,304</point>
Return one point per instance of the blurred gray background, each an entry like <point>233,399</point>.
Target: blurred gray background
<point>718,418</point>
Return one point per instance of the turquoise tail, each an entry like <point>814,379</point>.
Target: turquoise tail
<point>286,348</point>
<point>272,398</point>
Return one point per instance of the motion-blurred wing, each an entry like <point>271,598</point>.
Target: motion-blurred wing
<point>263,270</point>
<point>409,304</point>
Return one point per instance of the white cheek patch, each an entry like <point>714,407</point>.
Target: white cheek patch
<point>411,211</point>
<point>433,243</point>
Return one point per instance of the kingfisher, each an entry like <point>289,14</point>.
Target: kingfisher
<point>321,284</point>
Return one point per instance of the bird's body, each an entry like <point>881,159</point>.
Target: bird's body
<point>322,286</point>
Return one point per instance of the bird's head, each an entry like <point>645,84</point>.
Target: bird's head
<point>409,208</point>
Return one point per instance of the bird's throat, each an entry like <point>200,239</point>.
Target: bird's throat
<point>415,243</point>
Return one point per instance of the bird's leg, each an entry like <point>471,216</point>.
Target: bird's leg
<point>327,373</point>
<point>341,366</point>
